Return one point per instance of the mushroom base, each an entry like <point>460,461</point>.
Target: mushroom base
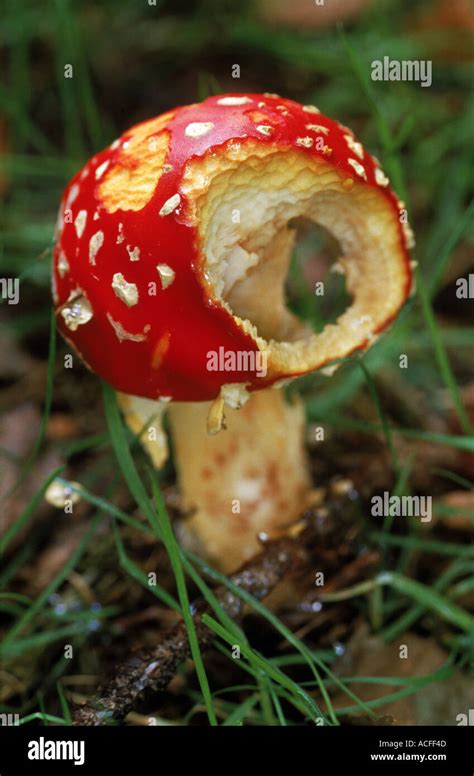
<point>250,479</point>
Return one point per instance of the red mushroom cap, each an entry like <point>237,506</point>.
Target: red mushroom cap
<point>145,250</point>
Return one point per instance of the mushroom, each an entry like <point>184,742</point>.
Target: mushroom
<point>172,251</point>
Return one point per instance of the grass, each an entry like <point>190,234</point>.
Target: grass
<point>425,153</point>
<point>423,595</point>
<point>164,531</point>
<point>30,462</point>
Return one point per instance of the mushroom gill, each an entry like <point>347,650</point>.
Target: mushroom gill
<point>243,199</point>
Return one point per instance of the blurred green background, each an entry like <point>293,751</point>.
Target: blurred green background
<point>407,429</point>
<point>133,60</point>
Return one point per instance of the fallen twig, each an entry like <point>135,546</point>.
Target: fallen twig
<point>155,667</point>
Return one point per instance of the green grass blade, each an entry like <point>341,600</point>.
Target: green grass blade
<point>383,420</point>
<point>416,684</point>
<point>441,355</point>
<point>129,566</point>
<point>42,599</point>
<point>29,510</point>
<point>122,452</point>
<point>169,540</point>
<point>48,400</point>
<point>274,672</point>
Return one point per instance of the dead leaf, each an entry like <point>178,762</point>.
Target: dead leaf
<point>368,655</point>
<point>462,500</point>
<point>18,432</point>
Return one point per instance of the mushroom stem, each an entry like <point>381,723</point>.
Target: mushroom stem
<point>249,479</point>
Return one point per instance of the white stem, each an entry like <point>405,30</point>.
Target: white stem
<point>250,478</point>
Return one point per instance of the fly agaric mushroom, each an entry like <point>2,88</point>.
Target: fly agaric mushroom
<point>172,250</point>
